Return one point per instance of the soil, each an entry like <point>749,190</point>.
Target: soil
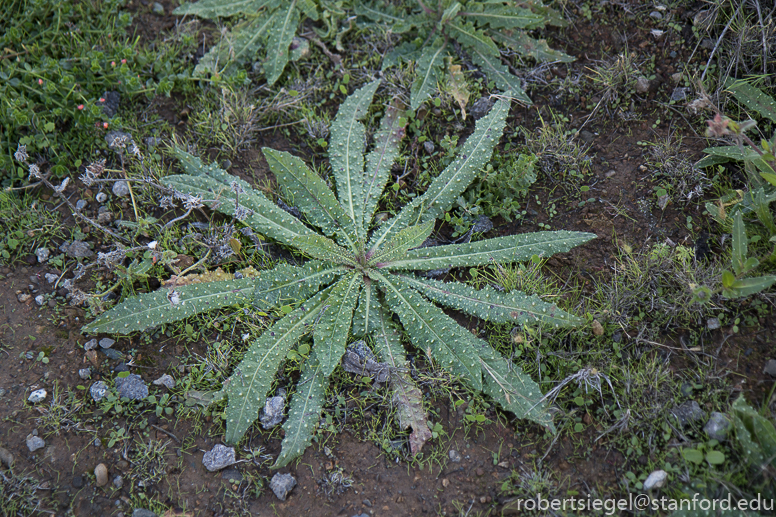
<point>380,487</point>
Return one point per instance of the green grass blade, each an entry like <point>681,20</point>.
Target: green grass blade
<point>304,412</point>
<point>331,332</point>
<point>280,36</point>
<point>380,160</point>
<point>311,194</point>
<point>248,385</point>
<point>514,390</point>
<point>434,332</point>
<point>513,248</point>
<point>320,247</point>
<point>428,69</point>
<point>346,151</point>
<point>491,305</point>
<point>169,305</point>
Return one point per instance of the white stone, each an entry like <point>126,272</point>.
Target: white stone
<point>656,480</point>
<point>37,396</point>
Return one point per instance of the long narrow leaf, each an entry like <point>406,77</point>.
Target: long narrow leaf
<point>248,385</point>
<point>311,195</point>
<point>507,17</point>
<point>304,412</point>
<point>217,8</point>
<point>428,70</point>
<point>739,243</point>
<point>331,332</point>
<point>498,73</point>
<point>346,153</point>
<point>170,305</point>
<point>469,36</point>
<point>513,248</point>
<point>280,37</point>
<point>365,317</point>
<point>320,247</point>
<point>489,304</point>
<point>434,332</point>
<point>753,98</point>
<point>381,159</point>
<point>408,238</point>
<point>288,283</point>
<point>238,46</point>
<point>539,50</point>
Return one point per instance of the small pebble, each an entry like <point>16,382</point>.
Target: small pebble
<point>142,512</point>
<point>35,442</point>
<point>717,427</point>
<point>98,390</point>
<point>454,456</point>
<point>101,474</point>
<point>166,381</point>
<point>712,323</point>
<point>107,342</point>
<point>132,386</point>
<point>6,458</point>
<point>37,396</point>
<point>642,85</point>
<point>42,254</point>
<point>770,367</point>
<point>80,204</point>
<point>282,484</point>
<point>40,299</point>
<point>23,297</point>
<point>656,15</point>
<point>655,480</point>
<point>158,9</point>
<point>90,345</point>
<point>85,373</point>
<point>78,481</point>
<point>50,277</point>
<point>102,197</point>
<point>118,482</point>
<point>120,189</point>
<point>219,457</point>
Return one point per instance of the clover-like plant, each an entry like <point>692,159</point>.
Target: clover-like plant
<point>358,277</point>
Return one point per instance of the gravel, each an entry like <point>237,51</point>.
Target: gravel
<point>282,484</point>
<point>219,457</point>
<point>35,442</point>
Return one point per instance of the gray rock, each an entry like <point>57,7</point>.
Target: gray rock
<point>232,475</point>
<point>454,456</point>
<point>679,94</point>
<point>132,386</point>
<point>113,354</point>
<point>656,15</point>
<point>770,367</point>
<point>686,389</point>
<point>158,9</point>
<point>35,442</point>
<point>6,458</point>
<point>90,345</point>
<point>481,107</point>
<point>120,189</point>
<point>37,396</point>
<point>166,381</point>
<point>101,197</point>
<point>98,391</point>
<point>40,300</point>
<point>586,136</point>
<point>101,474</point>
<point>655,480</point>
<point>118,482</point>
<point>712,323</point>
<point>142,512</point>
<point>688,412</point>
<point>282,484</point>
<point>428,145</point>
<point>80,204</point>
<point>51,277</point>
<point>76,249</point>
<point>717,427</point>
<point>219,457</point>
<point>152,142</point>
<point>23,297</point>
<point>107,342</point>
<point>104,217</point>
<point>42,254</point>
<point>78,481</point>
<point>272,414</point>
<point>642,85</point>
<point>85,373</point>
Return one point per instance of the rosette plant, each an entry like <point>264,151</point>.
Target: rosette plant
<point>358,277</point>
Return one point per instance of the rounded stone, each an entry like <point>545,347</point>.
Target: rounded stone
<point>101,474</point>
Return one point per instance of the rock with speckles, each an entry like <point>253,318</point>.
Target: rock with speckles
<point>282,484</point>
<point>219,457</point>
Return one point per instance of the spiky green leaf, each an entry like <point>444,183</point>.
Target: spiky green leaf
<point>304,412</point>
<point>513,248</point>
<point>739,243</point>
<point>526,45</point>
<point>753,98</point>
<point>365,316</point>
<point>320,247</point>
<point>218,8</point>
<point>469,36</point>
<point>405,394</point>
<point>280,37</point>
<point>248,385</point>
<point>505,17</point>
<point>405,240</point>
<point>748,286</point>
<point>214,186</point>
<point>380,160</point>
<point>169,305</point>
<point>453,181</point>
<point>346,151</point>
<point>491,305</point>
<point>238,46</point>
<point>427,72</point>
<point>311,194</point>
<point>725,153</point>
<point>331,331</point>
<point>288,283</point>
<point>514,390</point>
<point>399,22</point>
<point>498,73</point>
<point>434,332</point>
